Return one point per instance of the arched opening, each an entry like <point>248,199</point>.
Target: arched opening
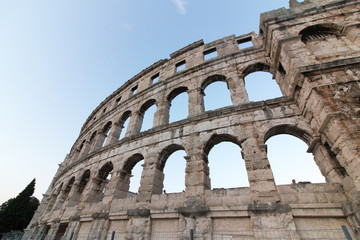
<point>130,176</point>
<point>66,192</point>
<point>289,160</point>
<point>327,41</point>
<point>172,165</point>
<point>123,124</point>
<point>53,197</point>
<point>77,151</point>
<point>319,32</point>
<point>82,145</point>
<point>146,116</point>
<point>260,86</point>
<point>80,186</point>
<point>59,197</point>
<point>174,172</point>
<point>106,131</point>
<point>93,135</point>
<point>136,178</point>
<point>91,142</point>
<point>68,188</point>
<point>216,92</point>
<point>103,179</point>
<point>178,103</point>
<point>83,181</point>
<point>226,165</point>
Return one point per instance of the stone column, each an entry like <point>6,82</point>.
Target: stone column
<point>196,102</point>
<point>113,135</point>
<point>51,202</point>
<point>99,141</point>
<point>151,182</point>
<point>197,170</point>
<point>266,212</point>
<point>237,89</point>
<point>121,185</point>
<point>135,123</point>
<point>60,200</point>
<point>86,148</point>
<point>74,195</point>
<point>109,188</point>
<point>93,194</point>
<point>161,116</point>
<point>329,167</point>
<point>75,155</point>
<point>261,179</point>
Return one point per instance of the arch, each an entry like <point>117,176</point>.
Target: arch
<point>105,170</point>
<point>132,161</point>
<point>144,121</point>
<point>103,180</point>
<point>174,93</point>
<point>60,188</point>
<point>170,177</point>
<point>106,129</point>
<point>124,117</point>
<point>176,104</point>
<point>70,184</point>
<point>82,144</point>
<point>93,135</point>
<point>123,185</point>
<point>147,105</point>
<point>224,151</point>
<point>211,79</point>
<point>53,197</point>
<point>261,86</point>
<point>218,138</point>
<point>165,154</point>
<point>68,187</point>
<point>289,160</point>
<point>84,180</point>
<point>319,32</point>
<point>123,124</point>
<point>289,129</point>
<point>214,86</point>
<point>256,67</point>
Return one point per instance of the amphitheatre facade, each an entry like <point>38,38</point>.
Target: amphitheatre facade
<point>312,51</point>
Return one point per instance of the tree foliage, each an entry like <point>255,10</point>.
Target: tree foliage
<point>16,213</point>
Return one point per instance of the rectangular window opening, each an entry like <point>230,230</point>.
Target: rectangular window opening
<point>245,43</point>
<point>133,90</point>
<point>118,100</point>
<point>155,78</point>
<point>180,66</point>
<point>209,54</point>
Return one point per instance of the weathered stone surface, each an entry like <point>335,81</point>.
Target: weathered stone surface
<point>313,52</point>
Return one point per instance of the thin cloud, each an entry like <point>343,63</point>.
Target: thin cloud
<point>127,27</point>
<point>180,4</point>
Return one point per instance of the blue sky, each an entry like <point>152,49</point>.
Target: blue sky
<point>60,59</point>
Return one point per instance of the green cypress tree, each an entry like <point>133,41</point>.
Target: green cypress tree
<point>16,213</point>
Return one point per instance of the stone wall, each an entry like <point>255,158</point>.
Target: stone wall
<point>313,52</point>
